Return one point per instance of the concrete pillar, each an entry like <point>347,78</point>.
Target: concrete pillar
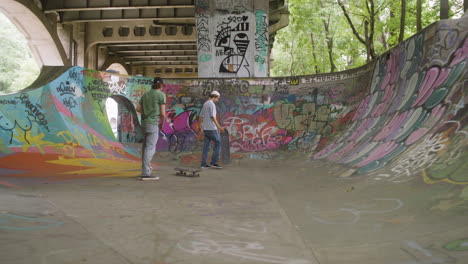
<point>79,38</point>
<point>232,38</point>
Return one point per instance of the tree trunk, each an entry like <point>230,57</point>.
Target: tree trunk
<point>418,15</point>
<point>465,5</point>
<point>372,29</point>
<point>314,55</point>
<point>391,30</point>
<point>366,35</point>
<point>402,21</point>
<point>444,9</point>
<point>329,39</point>
<point>291,53</point>
<point>369,28</point>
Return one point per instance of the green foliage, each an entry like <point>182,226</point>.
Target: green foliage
<point>294,54</point>
<point>17,66</point>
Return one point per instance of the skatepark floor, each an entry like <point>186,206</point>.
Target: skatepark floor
<point>251,211</point>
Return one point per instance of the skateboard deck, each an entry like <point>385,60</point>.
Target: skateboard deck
<point>225,148</point>
<point>188,172</point>
<point>147,178</point>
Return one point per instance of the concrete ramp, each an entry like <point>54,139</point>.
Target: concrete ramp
<point>47,75</point>
<point>365,166</point>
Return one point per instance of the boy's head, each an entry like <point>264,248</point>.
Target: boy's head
<point>157,83</point>
<point>215,94</point>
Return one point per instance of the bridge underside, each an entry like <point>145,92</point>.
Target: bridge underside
<point>147,37</point>
<point>364,166</point>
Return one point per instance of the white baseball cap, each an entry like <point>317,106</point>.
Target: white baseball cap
<point>215,93</point>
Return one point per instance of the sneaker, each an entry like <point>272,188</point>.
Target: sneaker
<point>216,166</point>
<point>205,166</point>
<point>149,178</point>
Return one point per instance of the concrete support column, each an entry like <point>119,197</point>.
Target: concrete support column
<point>232,38</point>
<point>91,56</point>
<point>79,38</point>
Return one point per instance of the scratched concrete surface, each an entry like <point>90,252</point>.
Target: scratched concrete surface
<point>248,212</point>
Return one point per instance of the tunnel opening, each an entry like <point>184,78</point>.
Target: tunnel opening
<point>123,120</point>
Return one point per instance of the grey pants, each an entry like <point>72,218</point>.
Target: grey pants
<point>151,134</point>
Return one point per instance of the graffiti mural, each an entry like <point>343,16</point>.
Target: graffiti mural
<point>232,38</point>
<point>399,118</point>
<point>231,42</point>
<point>261,41</point>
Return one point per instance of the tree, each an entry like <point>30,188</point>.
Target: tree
<point>368,19</point>
<point>327,24</point>
<point>444,9</point>
<point>418,15</point>
<point>402,21</point>
<point>319,40</point>
<point>17,66</point>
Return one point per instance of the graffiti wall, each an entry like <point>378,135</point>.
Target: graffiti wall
<point>61,130</point>
<point>232,38</point>
<point>398,117</point>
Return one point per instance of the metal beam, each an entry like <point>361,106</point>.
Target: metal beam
<point>160,56</point>
<point>189,42</point>
<point>106,8</point>
<point>124,19</point>
<point>193,66</point>
<point>133,63</point>
<point>149,51</point>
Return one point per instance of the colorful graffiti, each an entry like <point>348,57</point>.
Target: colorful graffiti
<point>404,113</point>
<point>410,98</point>
<point>232,38</point>
<point>60,131</point>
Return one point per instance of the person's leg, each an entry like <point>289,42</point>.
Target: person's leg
<point>206,147</point>
<point>151,133</point>
<point>217,147</point>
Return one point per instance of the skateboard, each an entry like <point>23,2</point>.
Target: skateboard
<point>147,178</point>
<point>225,148</point>
<point>188,172</point>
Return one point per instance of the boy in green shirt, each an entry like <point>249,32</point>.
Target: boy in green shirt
<point>153,115</point>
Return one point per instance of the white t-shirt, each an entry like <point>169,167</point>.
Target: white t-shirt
<point>208,111</point>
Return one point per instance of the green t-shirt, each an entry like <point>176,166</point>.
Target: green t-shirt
<point>151,103</point>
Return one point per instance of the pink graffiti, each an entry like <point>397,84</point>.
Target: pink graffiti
<point>386,100</point>
<point>334,93</point>
<point>428,86</point>
<point>361,109</point>
<point>436,115</point>
<point>253,135</point>
<point>461,54</point>
<point>326,151</point>
<point>399,98</point>
<point>393,125</point>
<point>363,128</point>
<point>336,156</point>
<point>181,122</point>
<point>378,153</point>
<point>392,72</point>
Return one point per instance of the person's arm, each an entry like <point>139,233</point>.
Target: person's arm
<point>162,115</point>
<point>220,128</point>
<point>138,109</point>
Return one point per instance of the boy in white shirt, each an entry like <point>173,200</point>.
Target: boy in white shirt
<point>210,126</point>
